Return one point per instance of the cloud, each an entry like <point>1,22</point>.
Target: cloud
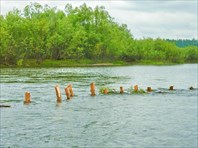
<point>166,19</point>
<point>145,18</point>
<point>188,6</point>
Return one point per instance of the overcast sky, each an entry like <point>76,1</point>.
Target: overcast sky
<point>173,19</point>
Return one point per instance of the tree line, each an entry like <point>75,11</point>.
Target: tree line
<point>42,32</point>
<point>184,42</point>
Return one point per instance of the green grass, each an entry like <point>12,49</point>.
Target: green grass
<point>149,62</point>
<point>69,63</point>
<point>84,63</point>
<point>57,63</point>
<point>101,90</point>
<point>140,91</point>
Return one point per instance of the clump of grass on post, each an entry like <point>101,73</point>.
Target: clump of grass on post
<point>105,90</point>
<point>139,91</point>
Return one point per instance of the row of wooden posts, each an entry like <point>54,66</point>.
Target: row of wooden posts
<point>69,92</point>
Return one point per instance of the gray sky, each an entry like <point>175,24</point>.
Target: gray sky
<point>174,19</point>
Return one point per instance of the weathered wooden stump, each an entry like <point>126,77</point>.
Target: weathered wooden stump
<point>92,89</point>
<point>171,88</point>
<point>149,89</point>
<point>121,89</point>
<point>105,91</point>
<point>71,90</point>
<point>67,91</point>
<point>27,99</point>
<point>136,88</point>
<point>58,93</point>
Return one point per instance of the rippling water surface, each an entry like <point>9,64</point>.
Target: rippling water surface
<point>167,119</point>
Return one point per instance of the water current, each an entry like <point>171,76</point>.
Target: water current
<point>166,119</point>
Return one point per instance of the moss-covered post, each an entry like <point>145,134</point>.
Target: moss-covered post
<point>136,88</point>
<point>105,91</point>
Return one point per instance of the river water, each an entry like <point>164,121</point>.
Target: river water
<point>167,119</point>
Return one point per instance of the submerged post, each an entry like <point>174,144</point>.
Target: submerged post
<point>67,91</point>
<point>71,90</point>
<point>105,91</point>
<point>27,98</point>
<point>58,93</point>
<point>121,89</point>
<point>171,88</point>
<point>136,88</point>
<point>92,89</point>
<point>149,89</point>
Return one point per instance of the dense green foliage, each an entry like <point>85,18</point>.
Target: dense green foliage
<point>41,33</point>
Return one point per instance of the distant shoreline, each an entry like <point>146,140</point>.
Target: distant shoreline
<point>86,63</point>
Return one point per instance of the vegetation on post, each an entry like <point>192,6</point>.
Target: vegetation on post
<point>41,35</point>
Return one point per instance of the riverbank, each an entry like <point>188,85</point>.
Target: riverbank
<point>84,63</point>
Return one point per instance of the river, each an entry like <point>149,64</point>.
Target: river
<point>166,119</point>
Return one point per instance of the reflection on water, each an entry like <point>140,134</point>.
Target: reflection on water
<point>161,118</point>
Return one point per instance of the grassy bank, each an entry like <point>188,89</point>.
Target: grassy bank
<point>66,63</point>
<point>85,63</point>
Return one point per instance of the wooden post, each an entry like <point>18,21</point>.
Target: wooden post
<point>58,93</point>
<point>171,88</point>
<point>121,89</point>
<point>27,98</point>
<point>105,91</point>
<point>71,90</point>
<point>92,89</point>
<point>136,88</point>
<point>67,91</point>
<point>149,89</point>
